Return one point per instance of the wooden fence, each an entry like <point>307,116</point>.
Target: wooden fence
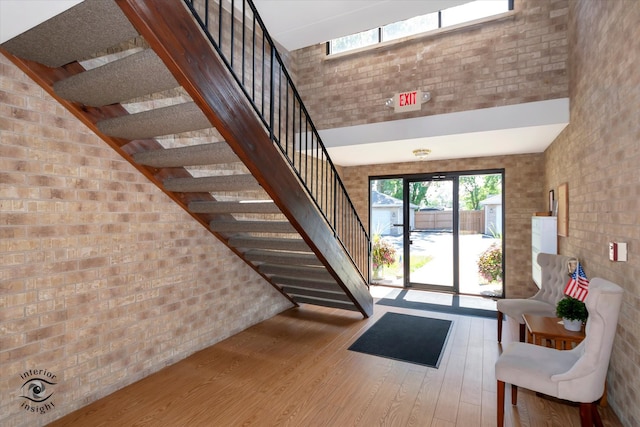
<point>470,221</point>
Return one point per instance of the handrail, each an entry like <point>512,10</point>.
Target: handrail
<point>258,68</point>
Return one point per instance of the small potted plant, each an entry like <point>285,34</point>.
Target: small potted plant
<point>382,254</point>
<point>573,313</point>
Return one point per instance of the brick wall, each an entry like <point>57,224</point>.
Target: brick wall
<point>516,59</point>
<point>597,156</point>
<point>523,181</point>
<point>103,279</point>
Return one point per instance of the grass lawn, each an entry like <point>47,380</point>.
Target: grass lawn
<point>417,261</point>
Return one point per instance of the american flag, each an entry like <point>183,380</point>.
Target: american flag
<point>578,285</point>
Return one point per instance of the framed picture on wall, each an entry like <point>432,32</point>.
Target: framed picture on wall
<point>563,210</point>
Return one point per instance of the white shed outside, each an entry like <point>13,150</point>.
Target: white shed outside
<point>492,214</point>
<point>386,215</point>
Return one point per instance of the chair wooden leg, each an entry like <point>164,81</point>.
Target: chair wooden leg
<point>500,318</point>
<point>523,330</point>
<point>595,415</point>
<point>589,415</point>
<point>514,394</point>
<point>500,412</point>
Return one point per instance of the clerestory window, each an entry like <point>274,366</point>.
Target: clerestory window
<point>444,18</point>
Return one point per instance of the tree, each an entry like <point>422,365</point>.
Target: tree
<point>475,188</point>
<point>393,187</point>
<point>417,191</point>
<point>390,187</point>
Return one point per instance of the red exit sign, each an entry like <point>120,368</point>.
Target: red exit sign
<point>407,101</point>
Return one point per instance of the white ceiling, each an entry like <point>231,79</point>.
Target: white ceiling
<point>300,23</point>
<point>506,130</point>
<point>17,16</point>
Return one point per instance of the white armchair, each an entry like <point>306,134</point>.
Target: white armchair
<point>543,303</point>
<point>577,375</point>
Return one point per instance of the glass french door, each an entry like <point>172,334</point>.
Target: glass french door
<point>444,231</point>
<point>431,236</point>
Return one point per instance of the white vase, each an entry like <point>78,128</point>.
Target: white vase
<point>572,325</point>
<point>378,273</point>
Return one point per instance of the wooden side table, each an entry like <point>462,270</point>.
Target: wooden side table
<point>541,328</point>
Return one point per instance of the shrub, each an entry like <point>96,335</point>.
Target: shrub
<point>571,309</point>
<point>382,253</point>
<point>490,264</point>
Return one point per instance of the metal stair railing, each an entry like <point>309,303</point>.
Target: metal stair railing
<point>239,35</point>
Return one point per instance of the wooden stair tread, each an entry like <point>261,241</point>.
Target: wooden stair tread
<point>194,155</point>
<point>306,272</point>
<point>77,33</point>
<point>344,305</point>
<point>169,120</point>
<point>329,296</point>
<point>220,183</point>
<point>281,257</point>
<point>296,245</point>
<point>246,226</point>
<point>133,76</point>
<point>309,283</point>
<point>221,207</point>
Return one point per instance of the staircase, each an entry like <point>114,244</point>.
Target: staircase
<point>196,97</point>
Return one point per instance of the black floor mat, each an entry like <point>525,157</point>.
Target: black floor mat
<point>411,339</point>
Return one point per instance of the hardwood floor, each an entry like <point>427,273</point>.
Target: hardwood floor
<point>294,369</point>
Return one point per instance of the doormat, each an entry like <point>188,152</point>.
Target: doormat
<point>412,339</point>
<point>452,308</point>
